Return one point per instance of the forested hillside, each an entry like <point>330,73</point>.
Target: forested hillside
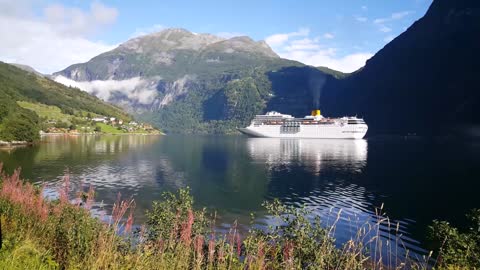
<point>17,123</point>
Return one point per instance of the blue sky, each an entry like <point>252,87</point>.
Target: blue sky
<point>340,34</point>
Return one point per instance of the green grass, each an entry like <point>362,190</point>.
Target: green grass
<point>26,255</point>
<point>46,111</point>
<point>27,99</point>
<point>109,129</point>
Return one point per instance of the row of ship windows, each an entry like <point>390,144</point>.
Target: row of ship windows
<point>292,124</point>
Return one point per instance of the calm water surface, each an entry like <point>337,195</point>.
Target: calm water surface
<point>417,181</point>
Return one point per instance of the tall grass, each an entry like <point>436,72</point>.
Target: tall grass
<point>62,234</point>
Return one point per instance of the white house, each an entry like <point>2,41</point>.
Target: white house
<point>99,119</point>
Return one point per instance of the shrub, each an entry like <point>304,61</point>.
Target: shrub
<point>21,126</point>
<point>62,234</point>
<point>457,248</point>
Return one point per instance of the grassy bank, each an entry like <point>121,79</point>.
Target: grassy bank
<point>61,234</point>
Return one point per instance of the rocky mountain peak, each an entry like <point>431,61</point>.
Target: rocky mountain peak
<point>244,44</point>
<point>180,39</point>
<point>169,39</point>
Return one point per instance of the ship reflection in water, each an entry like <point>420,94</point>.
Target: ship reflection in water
<point>231,175</point>
<point>325,177</point>
<point>312,153</point>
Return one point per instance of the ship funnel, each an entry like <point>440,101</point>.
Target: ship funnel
<point>316,113</point>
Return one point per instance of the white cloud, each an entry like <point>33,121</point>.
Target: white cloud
<point>76,22</point>
<point>328,36</point>
<point>104,14</point>
<point>364,8</point>
<point>311,51</point>
<point>56,38</point>
<point>361,19</point>
<point>385,29</point>
<point>280,39</point>
<point>303,44</point>
<point>393,17</point>
<point>328,58</point>
<point>136,89</point>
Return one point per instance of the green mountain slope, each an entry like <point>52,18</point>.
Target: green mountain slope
<point>18,123</point>
<point>197,83</point>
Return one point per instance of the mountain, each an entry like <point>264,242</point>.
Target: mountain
<point>425,81</point>
<point>21,90</point>
<point>170,54</point>
<point>187,82</point>
<point>27,68</point>
<point>335,73</point>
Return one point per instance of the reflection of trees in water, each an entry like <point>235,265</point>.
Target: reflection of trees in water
<point>49,159</point>
<point>217,169</point>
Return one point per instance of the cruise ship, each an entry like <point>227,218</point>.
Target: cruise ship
<point>277,125</point>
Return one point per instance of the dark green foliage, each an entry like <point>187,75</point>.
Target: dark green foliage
<point>20,124</point>
<point>61,124</point>
<point>67,110</point>
<point>21,85</point>
<point>170,212</point>
<point>74,236</point>
<point>5,107</point>
<point>456,247</point>
<point>296,230</point>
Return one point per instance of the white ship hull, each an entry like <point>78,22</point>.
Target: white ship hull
<point>308,131</point>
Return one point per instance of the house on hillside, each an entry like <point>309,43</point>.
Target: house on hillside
<point>100,119</point>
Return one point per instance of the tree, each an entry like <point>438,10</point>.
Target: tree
<point>98,129</point>
<point>61,124</point>
<point>21,126</point>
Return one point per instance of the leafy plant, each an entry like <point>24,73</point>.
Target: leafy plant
<point>456,247</point>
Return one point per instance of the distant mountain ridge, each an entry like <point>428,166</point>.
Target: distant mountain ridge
<point>187,82</point>
<point>27,68</point>
<point>426,81</point>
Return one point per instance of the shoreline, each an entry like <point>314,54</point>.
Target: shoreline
<point>13,144</point>
<point>99,134</point>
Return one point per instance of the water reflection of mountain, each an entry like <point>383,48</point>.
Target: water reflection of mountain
<point>49,159</point>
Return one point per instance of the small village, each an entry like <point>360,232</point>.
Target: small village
<point>98,125</point>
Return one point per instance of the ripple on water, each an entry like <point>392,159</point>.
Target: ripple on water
<point>233,175</point>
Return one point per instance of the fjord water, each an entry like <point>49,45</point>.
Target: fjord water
<point>417,181</point>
